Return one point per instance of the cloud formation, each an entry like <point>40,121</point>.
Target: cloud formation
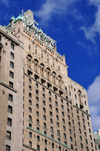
<point>94,102</point>
<point>5,2</point>
<point>91,31</point>
<point>53,7</point>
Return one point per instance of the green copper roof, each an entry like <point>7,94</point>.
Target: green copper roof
<point>13,18</point>
<point>48,137</point>
<point>19,17</point>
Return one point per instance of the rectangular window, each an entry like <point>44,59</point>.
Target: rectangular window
<point>11,55</point>
<point>10,109</point>
<point>9,121</point>
<point>8,135</point>
<point>11,97</point>
<point>7,148</point>
<point>11,74</point>
<point>10,84</point>
<point>12,46</point>
<point>0,37</point>
<point>11,64</point>
<point>0,58</point>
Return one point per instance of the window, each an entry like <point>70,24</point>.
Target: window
<point>61,100</point>
<point>11,97</point>
<point>51,129</point>
<point>44,110</point>
<point>10,109</point>
<point>58,132</point>
<point>43,96</point>
<point>62,113</point>
<point>63,120</point>
<point>56,103</point>
<point>85,134</point>
<point>11,55</point>
<point>11,74</point>
<point>84,127</point>
<point>59,139</point>
<point>62,107</point>
<point>37,85</point>
<point>78,124</point>
<point>44,103</point>
<point>37,113</point>
<point>30,118</point>
<point>10,84</point>
<point>83,121</point>
<point>30,125</point>
<point>89,130</point>
<point>69,124</point>
<point>8,135</point>
<point>51,121</point>
<point>81,138</point>
<point>45,141</point>
<point>56,110</point>
<point>30,102</point>
<point>78,117</point>
<point>86,141</point>
<point>57,117</point>
<point>37,92</point>
<point>30,134</point>
<point>68,117</point>
<point>50,113</point>
<point>12,46</point>
<point>49,93</point>
<point>50,106</point>
<point>57,124</point>
<point>30,109</point>
<point>30,144</point>
<point>37,106</point>
<point>87,118</point>
<point>30,88</point>
<point>68,110</point>
<point>37,99</point>
<point>11,64</point>
<point>30,95</point>
<point>9,121</point>
<point>45,132</point>
<point>55,96</point>
<point>38,138</point>
<point>64,128</point>
<point>30,81</point>
<point>72,147</point>
<point>43,89</point>
<point>70,131</point>
<point>50,100</point>
<point>37,122</point>
<point>82,114</point>
<point>90,137</point>
<point>37,128</point>
<point>81,145</point>
<point>52,145</point>
<point>59,148</point>
<point>64,136</point>
<point>79,131</point>
<point>44,117</point>
<point>44,125</point>
<point>75,96</point>
<point>7,148</point>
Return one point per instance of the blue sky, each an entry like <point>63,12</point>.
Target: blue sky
<point>75,25</point>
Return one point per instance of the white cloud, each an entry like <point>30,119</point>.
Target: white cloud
<point>6,2</point>
<point>53,7</point>
<point>94,102</point>
<point>90,32</point>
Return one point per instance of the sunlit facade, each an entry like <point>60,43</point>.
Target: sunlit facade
<point>41,108</point>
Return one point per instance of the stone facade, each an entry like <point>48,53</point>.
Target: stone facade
<point>41,107</point>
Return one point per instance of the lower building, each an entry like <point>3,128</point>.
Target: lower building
<point>97,140</point>
<point>41,108</point>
